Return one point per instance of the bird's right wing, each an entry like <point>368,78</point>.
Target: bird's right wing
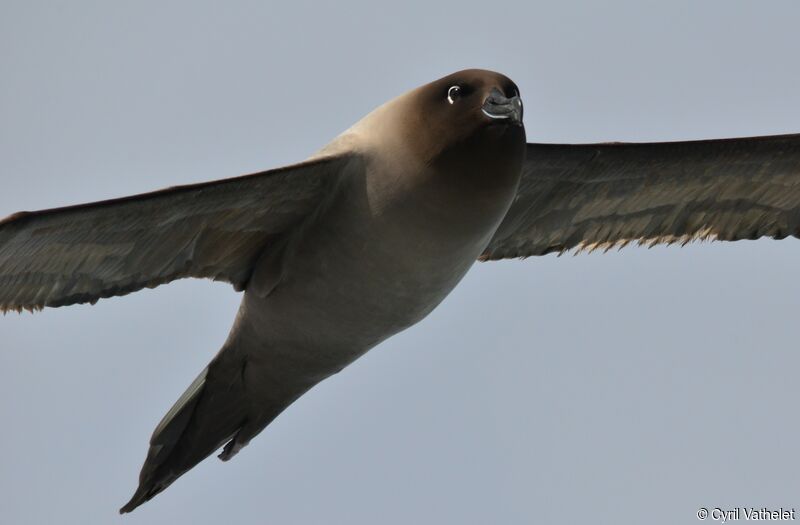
<point>214,230</point>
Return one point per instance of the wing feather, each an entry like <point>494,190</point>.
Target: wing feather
<point>600,196</point>
<point>213,230</point>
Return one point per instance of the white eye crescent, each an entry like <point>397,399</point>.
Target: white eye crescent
<point>453,93</point>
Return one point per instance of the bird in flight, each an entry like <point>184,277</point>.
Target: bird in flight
<point>364,239</point>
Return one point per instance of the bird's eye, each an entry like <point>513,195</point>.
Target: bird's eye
<point>453,93</point>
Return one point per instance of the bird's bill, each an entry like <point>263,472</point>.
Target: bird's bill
<point>499,107</point>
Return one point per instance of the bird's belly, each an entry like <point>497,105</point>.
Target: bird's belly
<point>366,269</point>
<point>343,293</point>
<point>354,299</point>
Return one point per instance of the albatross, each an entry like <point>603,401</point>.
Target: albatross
<point>364,239</point>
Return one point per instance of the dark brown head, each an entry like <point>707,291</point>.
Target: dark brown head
<point>456,143</point>
<point>476,112</point>
<point>460,136</point>
<point>468,101</point>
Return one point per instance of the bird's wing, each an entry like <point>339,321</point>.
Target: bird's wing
<point>593,196</point>
<point>214,230</point>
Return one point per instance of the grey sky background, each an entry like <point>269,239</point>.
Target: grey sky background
<point>630,387</point>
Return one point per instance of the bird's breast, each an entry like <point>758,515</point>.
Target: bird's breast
<point>387,250</point>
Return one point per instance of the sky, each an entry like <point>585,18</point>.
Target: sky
<point>634,386</point>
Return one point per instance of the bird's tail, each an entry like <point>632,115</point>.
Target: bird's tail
<point>203,419</point>
<point>228,404</point>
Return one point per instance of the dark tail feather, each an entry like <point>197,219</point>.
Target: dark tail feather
<point>216,409</point>
<point>143,494</point>
<point>205,417</point>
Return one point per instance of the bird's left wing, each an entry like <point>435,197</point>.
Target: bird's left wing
<point>214,230</point>
<point>590,196</point>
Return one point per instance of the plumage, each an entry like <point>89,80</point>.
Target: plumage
<point>598,196</point>
<point>368,236</point>
<point>213,230</point>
